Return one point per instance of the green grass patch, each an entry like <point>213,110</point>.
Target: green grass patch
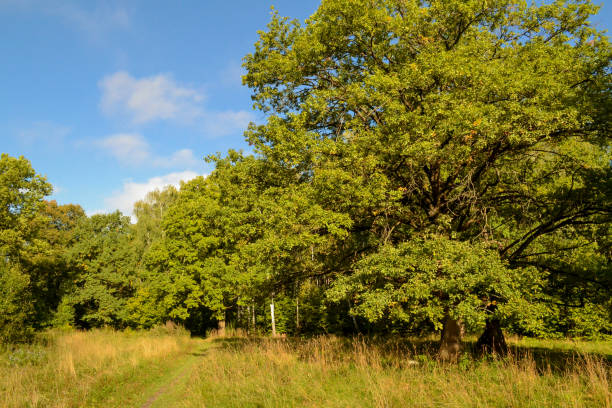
<point>337,372</point>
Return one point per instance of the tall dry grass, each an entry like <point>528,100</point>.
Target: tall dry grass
<point>67,369</point>
<point>337,372</point>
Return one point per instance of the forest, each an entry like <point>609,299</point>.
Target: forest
<point>423,167</point>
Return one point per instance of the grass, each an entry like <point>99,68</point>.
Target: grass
<point>337,372</point>
<point>76,369</point>
<point>600,347</point>
<point>167,368</point>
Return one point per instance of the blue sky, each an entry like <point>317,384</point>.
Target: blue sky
<point>112,99</point>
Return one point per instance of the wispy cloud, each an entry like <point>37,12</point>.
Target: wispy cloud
<point>132,149</point>
<point>160,97</point>
<point>95,22</point>
<point>124,199</point>
<point>232,74</point>
<point>44,132</point>
<point>226,123</point>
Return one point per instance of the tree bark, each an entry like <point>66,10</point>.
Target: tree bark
<point>248,319</point>
<point>492,339</point>
<point>221,328</point>
<point>450,340</point>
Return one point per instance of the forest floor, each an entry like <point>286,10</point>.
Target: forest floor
<point>169,369</point>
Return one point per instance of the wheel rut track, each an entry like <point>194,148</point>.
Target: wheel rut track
<point>183,372</point>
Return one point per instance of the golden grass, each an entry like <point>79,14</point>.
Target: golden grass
<point>337,372</point>
<point>66,369</point>
<point>77,369</point>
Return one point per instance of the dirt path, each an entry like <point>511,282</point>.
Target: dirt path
<point>177,377</point>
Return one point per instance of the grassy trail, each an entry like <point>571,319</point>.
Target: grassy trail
<point>168,390</point>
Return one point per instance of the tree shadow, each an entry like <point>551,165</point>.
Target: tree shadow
<point>408,349</point>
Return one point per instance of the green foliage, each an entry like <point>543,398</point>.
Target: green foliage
<point>16,306</point>
<point>452,118</point>
<point>48,267</point>
<point>425,279</point>
<point>103,261</point>
<point>419,161</point>
<point>21,193</point>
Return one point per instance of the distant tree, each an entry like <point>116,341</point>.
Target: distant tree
<point>190,267</point>
<point>48,268</point>
<point>103,259</point>
<point>150,213</point>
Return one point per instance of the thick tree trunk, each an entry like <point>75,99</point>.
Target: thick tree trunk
<point>450,340</point>
<point>492,339</point>
<point>221,328</point>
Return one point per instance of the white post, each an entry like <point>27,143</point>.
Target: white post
<point>273,321</point>
<point>253,310</point>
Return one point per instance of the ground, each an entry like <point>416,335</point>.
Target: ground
<point>168,368</point>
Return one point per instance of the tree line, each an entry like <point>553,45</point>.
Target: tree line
<point>423,166</point>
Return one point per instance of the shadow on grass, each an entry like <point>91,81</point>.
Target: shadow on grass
<point>424,350</point>
<point>199,353</point>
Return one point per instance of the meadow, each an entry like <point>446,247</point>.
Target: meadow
<point>96,368</point>
<point>359,372</point>
<point>167,368</point>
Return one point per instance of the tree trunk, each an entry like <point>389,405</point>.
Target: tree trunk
<point>248,319</point>
<point>272,316</point>
<point>297,314</point>
<point>221,328</point>
<point>450,340</point>
<point>492,339</point>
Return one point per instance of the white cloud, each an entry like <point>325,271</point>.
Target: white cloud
<point>126,147</point>
<point>183,157</point>
<point>160,97</point>
<point>132,149</point>
<point>148,99</point>
<point>131,192</point>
